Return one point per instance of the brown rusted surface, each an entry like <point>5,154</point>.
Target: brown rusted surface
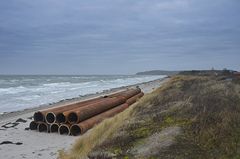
<point>58,115</point>
<point>63,116</point>
<point>82,127</point>
<point>54,111</point>
<point>134,98</point>
<point>51,117</point>
<point>40,115</point>
<point>127,93</point>
<point>83,113</point>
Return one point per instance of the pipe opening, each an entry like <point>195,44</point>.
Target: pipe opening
<point>54,128</point>
<point>64,130</point>
<point>75,130</point>
<point>60,118</point>
<point>42,127</point>
<point>50,117</point>
<point>33,125</point>
<point>38,116</point>
<point>72,117</point>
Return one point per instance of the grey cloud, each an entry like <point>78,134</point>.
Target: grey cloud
<point>65,36</point>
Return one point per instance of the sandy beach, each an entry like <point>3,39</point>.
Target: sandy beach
<point>16,141</point>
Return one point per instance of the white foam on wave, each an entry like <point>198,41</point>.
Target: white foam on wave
<point>12,90</point>
<point>57,84</point>
<point>17,98</point>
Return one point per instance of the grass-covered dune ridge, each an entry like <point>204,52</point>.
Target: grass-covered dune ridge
<point>188,117</point>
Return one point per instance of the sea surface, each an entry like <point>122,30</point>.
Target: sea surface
<point>18,92</point>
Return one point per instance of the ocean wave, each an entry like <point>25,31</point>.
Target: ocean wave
<point>57,84</point>
<point>30,95</point>
<point>13,90</point>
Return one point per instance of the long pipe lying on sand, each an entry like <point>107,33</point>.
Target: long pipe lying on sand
<point>61,118</point>
<point>127,93</point>
<point>40,115</point>
<point>55,116</point>
<point>133,99</point>
<point>64,116</point>
<point>82,127</point>
<point>83,113</point>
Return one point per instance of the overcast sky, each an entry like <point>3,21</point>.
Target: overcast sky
<point>118,36</point>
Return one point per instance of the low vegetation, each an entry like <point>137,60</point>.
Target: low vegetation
<point>188,117</point>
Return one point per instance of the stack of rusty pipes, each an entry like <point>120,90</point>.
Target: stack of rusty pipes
<point>75,119</point>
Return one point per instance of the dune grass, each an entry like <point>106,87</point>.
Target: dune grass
<point>206,110</point>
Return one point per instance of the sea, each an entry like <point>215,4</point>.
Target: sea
<point>18,92</point>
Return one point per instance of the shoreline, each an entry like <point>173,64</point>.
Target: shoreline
<point>6,115</point>
<point>17,141</point>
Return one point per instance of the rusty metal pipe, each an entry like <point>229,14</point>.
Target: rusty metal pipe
<point>124,94</point>
<point>33,125</point>
<point>40,115</point>
<point>43,127</point>
<point>83,113</point>
<point>61,117</point>
<point>133,99</point>
<point>50,117</point>
<point>64,129</point>
<point>82,127</point>
<point>127,93</point>
<point>54,127</point>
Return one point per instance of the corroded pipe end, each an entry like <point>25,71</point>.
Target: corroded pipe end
<point>33,125</point>
<point>60,118</point>
<point>72,118</point>
<point>50,118</point>
<point>43,127</point>
<point>64,130</point>
<point>54,127</point>
<point>38,116</point>
<point>75,130</point>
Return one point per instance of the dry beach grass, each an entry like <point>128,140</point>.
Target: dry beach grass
<point>188,117</point>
